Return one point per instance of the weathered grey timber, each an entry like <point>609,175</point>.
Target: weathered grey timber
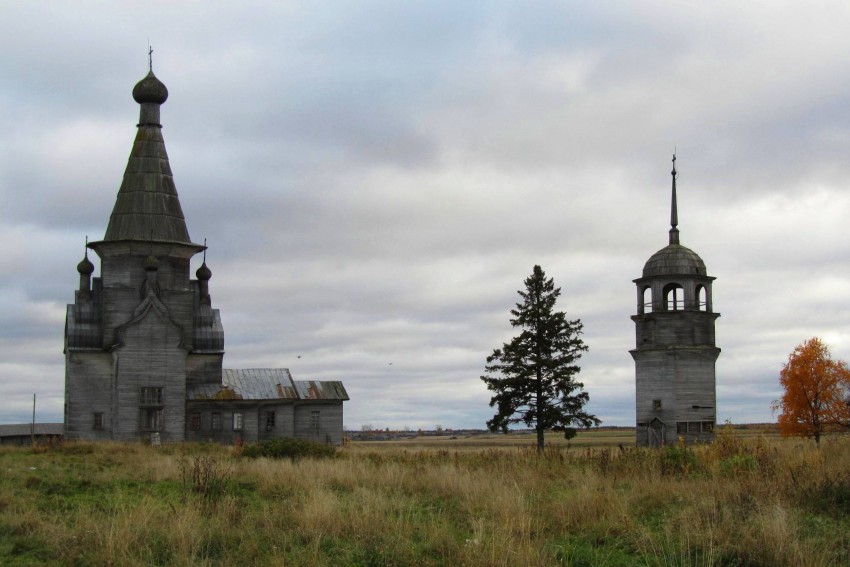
<point>143,346</point>
<point>675,352</point>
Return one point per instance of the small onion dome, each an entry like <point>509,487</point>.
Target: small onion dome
<point>151,263</point>
<point>85,267</point>
<point>203,272</point>
<point>674,260</point>
<point>150,89</point>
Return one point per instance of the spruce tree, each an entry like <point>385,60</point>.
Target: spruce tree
<point>533,375</point>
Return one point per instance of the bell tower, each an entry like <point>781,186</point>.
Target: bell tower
<point>675,350</point>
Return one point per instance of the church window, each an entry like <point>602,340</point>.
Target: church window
<point>237,421</point>
<point>674,297</point>
<point>150,396</point>
<point>215,420</point>
<point>315,420</point>
<point>151,419</point>
<point>694,427</point>
<point>98,420</point>
<point>270,420</point>
<point>195,421</point>
<point>656,405</point>
<point>150,410</point>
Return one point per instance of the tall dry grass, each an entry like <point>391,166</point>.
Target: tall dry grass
<point>737,502</point>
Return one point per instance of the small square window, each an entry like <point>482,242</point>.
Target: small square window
<point>195,421</point>
<point>693,427</point>
<point>237,421</point>
<point>681,427</point>
<point>315,420</point>
<point>215,420</point>
<point>150,396</point>
<point>656,405</point>
<point>270,420</point>
<point>707,426</point>
<point>97,423</point>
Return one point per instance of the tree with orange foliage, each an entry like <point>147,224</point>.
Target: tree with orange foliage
<point>816,392</point>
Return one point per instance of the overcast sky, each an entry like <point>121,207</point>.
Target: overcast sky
<point>376,179</point>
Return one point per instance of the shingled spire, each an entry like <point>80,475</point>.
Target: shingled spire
<point>147,207</point>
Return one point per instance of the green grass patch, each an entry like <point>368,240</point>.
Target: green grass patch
<point>288,448</point>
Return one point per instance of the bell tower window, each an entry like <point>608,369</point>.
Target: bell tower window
<point>646,299</point>
<point>702,298</point>
<point>674,297</point>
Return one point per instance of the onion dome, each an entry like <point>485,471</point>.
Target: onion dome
<point>85,267</point>
<point>150,89</point>
<point>151,263</point>
<point>203,272</point>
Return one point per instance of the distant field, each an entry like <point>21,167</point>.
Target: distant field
<point>607,437</point>
<point>497,441</point>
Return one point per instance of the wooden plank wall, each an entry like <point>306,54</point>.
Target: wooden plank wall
<point>151,357</point>
<point>88,389</point>
<point>330,424</point>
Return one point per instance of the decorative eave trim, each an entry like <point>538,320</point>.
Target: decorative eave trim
<point>151,301</point>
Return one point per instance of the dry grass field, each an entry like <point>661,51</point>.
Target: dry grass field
<point>749,500</point>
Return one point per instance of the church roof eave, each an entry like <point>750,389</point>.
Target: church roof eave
<point>141,246</point>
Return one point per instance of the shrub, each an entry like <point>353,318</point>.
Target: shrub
<point>678,460</point>
<point>822,492</point>
<point>738,464</point>
<point>288,448</point>
<point>205,475</point>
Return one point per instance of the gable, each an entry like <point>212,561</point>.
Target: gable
<point>150,328</point>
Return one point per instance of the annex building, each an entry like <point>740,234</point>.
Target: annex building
<point>144,347</point>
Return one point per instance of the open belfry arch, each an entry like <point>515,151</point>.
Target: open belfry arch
<point>143,346</point>
<point>675,351</point>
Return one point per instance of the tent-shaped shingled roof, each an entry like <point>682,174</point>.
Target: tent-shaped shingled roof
<point>147,206</point>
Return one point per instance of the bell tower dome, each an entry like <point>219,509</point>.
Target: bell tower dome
<point>675,350</point>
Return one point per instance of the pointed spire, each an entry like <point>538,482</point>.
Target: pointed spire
<point>674,212</point>
<point>147,206</point>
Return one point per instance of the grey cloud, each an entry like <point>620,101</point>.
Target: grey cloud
<point>376,181</point>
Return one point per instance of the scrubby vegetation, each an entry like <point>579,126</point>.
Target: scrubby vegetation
<point>288,448</point>
<point>754,502</point>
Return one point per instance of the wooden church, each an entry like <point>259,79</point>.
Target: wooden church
<point>143,346</point>
<point>675,353</point>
